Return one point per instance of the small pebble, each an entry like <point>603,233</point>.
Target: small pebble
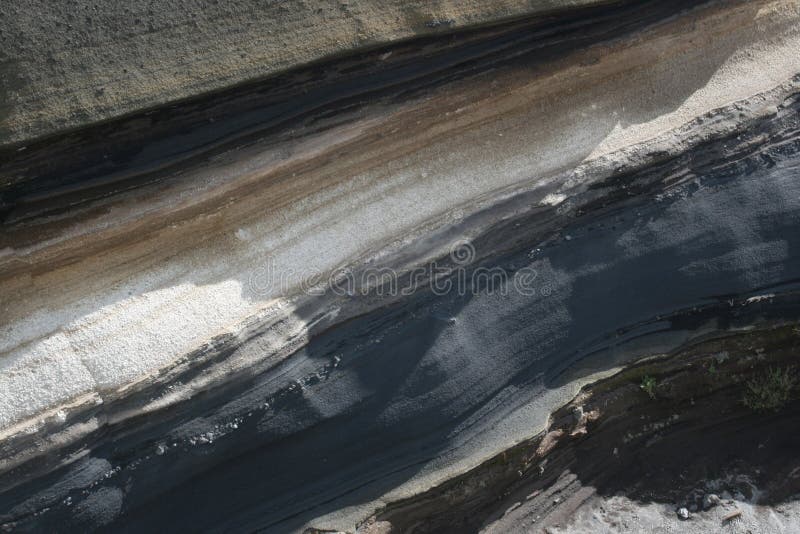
<point>577,413</point>
<point>683,514</point>
<point>710,500</point>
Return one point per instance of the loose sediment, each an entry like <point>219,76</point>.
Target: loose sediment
<point>169,333</point>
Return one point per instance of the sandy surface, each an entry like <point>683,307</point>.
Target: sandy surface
<point>69,64</point>
<point>618,514</point>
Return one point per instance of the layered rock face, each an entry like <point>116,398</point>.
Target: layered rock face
<point>67,65</point>
<point>309,300</point>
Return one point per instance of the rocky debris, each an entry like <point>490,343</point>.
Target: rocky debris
<point>731,516</point>
<point>710,500</point>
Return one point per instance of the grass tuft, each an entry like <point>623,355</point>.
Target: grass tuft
<point>771,390</point>
<point>648,385</point>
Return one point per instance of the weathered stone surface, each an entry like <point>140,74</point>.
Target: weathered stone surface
<point>637,464</point>
<point>168,360</point>
<point>70,64</point>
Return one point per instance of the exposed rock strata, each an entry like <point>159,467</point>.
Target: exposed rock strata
<point>642,166</point>
<point>71,64</point>
<point>615,459</point>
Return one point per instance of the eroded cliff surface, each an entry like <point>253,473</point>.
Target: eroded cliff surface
<point>71,64</point>
<point>301,301</point>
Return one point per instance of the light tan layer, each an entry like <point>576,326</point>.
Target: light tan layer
<point>69,64</point>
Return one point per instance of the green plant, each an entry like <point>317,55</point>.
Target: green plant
<point>770,390</point>
<point>648,385</point>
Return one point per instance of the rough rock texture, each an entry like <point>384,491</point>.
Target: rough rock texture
<point>175,347</point>
<point>618,458</point>
<point>69,64</point>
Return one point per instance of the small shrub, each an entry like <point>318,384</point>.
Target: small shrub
<point>648,385</point>
<point>770,390</point>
